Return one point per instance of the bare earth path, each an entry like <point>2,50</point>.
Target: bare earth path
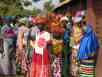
<point>99,65</point>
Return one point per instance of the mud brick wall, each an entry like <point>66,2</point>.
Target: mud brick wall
<point>97,4</point>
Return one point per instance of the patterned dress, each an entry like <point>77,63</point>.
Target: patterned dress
<point>74,63</point>
<point>41,59</point>
<point>66,54</point>
<point>87,55</point>
<point>7,51</point>
<point>58,60</point>
<point>75,43</point>
<point>57,67</point>
<point>21,52</point>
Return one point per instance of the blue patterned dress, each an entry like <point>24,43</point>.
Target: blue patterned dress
<point>87,55</point>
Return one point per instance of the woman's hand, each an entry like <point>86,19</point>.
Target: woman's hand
<point>32,43</point>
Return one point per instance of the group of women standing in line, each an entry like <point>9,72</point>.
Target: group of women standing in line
<point>58,50</point>
<point>68,50</point>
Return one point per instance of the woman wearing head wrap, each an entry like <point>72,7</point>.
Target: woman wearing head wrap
<point>57,45</point>
<point>7,61</point>
<point>21,53</point>
<point>87,50</point>
<point>76,35</point>
<point>31,39</point>
<point>67,23</point>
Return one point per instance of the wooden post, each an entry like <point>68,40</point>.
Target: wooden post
<point>80,4</point>
<point>91,14</point>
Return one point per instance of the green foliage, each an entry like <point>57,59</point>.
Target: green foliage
<point>14,8</point>
<point>10,7</point>
<point>48,6</point>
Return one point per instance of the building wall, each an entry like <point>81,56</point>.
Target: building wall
<point>97,5</point>
<point>97,11</point>
<point>95,16</point>
<point>72,6</point>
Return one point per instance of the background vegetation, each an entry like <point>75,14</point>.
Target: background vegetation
<point>14,8</point>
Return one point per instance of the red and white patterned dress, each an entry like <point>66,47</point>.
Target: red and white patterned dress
<point>41,60</point>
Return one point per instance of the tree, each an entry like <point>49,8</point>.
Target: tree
<point>48,7</point>
<point>12,8</point>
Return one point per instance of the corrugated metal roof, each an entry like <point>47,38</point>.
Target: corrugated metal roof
<point>63,3</point>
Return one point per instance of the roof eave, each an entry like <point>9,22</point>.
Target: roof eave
<point>63,3</point>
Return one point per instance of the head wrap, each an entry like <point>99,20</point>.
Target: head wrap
<point>81,13</point>
<point>64,18</point>
<point>80,16</point>
<point>77,19</point>
<point>24,21</point>
<point>45,35</point>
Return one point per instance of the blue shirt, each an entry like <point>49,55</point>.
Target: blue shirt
<point>89,44</point>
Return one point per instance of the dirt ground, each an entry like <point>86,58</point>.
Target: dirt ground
<point>99,65</point>
<point>98,69</point>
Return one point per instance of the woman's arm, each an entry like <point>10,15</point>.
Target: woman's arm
<point>20,40</point>
<point>32,43</point>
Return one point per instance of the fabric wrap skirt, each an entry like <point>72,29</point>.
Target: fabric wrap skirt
<point>87,68</point>
<point>40,66</point>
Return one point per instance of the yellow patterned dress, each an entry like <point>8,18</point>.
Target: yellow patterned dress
<point>75,43</point>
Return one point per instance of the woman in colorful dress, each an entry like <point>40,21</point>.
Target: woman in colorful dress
<point>31,38</point>
<point>41,60</point>
<point>57,46</point>
<point>76,35</point>
<point>21,53</point>
<point>7,54</point>
<point>67,24</point>
<point>88,50</point>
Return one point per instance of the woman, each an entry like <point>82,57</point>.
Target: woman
<point>88,50</point>
<point>21,53</point>
<point>75,43</point>
<point>41,59</point>
<point>31,38</point>
<point>7,55</point>
<point>57,46</point>
<point>67,24</point>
